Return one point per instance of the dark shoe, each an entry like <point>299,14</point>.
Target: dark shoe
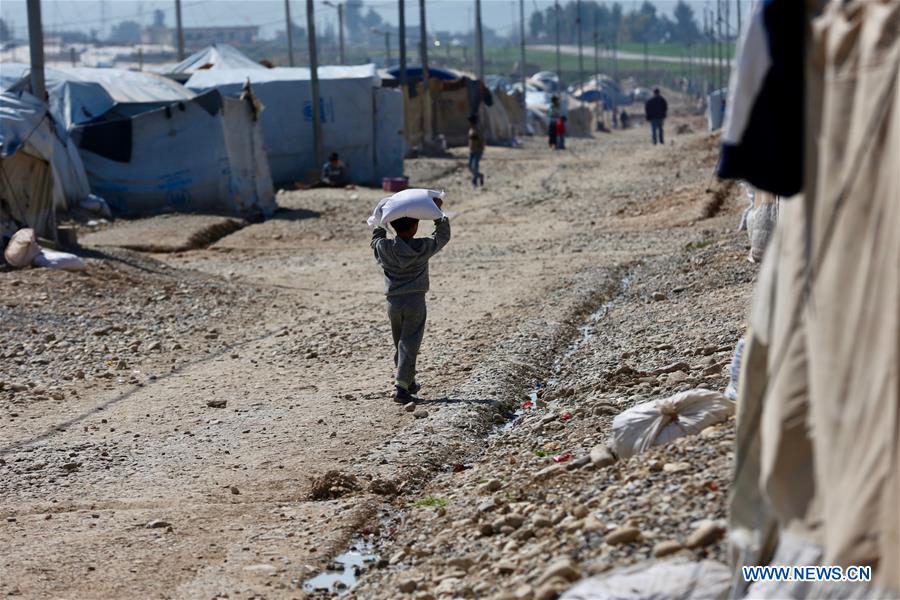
<point>481,179</point>
<point>414,388</point>
<point>402,395</point>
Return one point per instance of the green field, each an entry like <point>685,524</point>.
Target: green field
<point>502,60</point>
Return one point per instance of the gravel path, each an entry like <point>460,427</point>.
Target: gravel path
<point>173,424</point>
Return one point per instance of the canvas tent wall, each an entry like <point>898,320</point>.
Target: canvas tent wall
<point>41,168</point>
<point>361,121</point>
<point>150,145</point>
<point>446,109</point>
<point>201,155</point>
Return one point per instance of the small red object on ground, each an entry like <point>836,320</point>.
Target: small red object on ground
<point>561,458</point>
<point>527,404</point>
<point>565,416</point>
<point>394,184</point>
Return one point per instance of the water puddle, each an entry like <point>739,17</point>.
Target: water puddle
<point>341,575</point>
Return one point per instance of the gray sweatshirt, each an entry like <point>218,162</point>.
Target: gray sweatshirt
<point>405,262</point>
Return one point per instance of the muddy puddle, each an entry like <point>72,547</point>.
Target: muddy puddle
<point>343,572</point>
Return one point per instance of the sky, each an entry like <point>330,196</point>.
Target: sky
<point>454,15</point>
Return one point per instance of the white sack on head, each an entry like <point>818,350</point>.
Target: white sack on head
<point>659,422</point>
<point>414,203</point>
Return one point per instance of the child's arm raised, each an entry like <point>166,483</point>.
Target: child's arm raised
<point>378,234</point>
<point>441,233</point>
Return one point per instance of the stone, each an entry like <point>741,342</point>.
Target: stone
<point>420,413</point>
<point>658,296</point>
<point>407,586</point>
<point>505,567</point>
<point>217,403</point>
<point>602,456</point>
<point>678,467</point>
<point>551,590</point>
<point>708,532</point>
<point>524,592</point>
<point>592,524</point>
<point>580,511</point>
<point>514,520</point>
<point>157,524</point>
<point>541,520</point>
<point>622,535</point>
<point>563,567</point>
<point>463,563</point>
<point>666,548</point>
<point>486,529</point>
<point>548,472</point>
<point>261,569</point>
<point>409,407</point>
<point>492,485</point>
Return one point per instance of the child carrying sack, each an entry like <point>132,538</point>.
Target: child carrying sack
<point>414,203</point>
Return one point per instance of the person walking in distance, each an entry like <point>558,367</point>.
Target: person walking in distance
<point>655,110</point>
<point>553,115</point>
<point>476,151</point>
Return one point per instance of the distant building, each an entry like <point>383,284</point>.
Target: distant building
<point>200,37</point>
<point>158,35</point>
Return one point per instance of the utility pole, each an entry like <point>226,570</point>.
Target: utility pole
<point>289,30</point>
<point>719,44</point>
<point>596,47</point>
<point>522,48</point>
<point>580,53</point>
<point>180,29</point>
<point>646,61</point>
<point>36,45</point>
<point>340,8</point>
<point>423,55</point>
<point>479,43</point>
<point>558,59</point>
<point>423,43</point>
<point>401,5</point>
<point>314,81</point>
<point>340,11</point>
<point>739,17</point>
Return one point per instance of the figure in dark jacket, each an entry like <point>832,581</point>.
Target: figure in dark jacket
<point>655,110</point>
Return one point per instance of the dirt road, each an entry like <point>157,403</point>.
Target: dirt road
<point>121,473</point>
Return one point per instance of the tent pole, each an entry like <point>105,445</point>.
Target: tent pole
<point>479,43</point>
<point>522,49</point>
<point>314,81</point>
<point>36,45</point>
<point>340,9</point>
<point>289,30</point>
<point>180,30</point>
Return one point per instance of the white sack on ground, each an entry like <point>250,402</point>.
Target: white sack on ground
<point>22,248</point>
<point>52,259</point>
<point>659,580</point>
<point>413,203</point>
<point>659,422</point>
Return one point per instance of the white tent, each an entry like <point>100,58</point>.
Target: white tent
<point>41,168</point>
<point>150,145</point>
<point>361,121</point>
<point>215,57</point>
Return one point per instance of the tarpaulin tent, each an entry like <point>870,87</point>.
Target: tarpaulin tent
<point>41,168</point>
<point>215,57</point>
<point>201,155</point>
<point>150,145</point>
<point>361,121</point>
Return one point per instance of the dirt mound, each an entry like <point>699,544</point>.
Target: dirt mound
<point>333,484</point>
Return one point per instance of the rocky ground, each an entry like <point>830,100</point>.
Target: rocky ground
<point>215,421</point>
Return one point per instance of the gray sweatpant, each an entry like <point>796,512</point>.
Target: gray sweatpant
<point>407,314</point>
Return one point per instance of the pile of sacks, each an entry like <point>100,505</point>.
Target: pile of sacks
<point>23,250</point>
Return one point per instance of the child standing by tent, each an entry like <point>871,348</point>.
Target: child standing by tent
<point>476,151</point>
<point>404,260</point>
<point>561,133</point>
